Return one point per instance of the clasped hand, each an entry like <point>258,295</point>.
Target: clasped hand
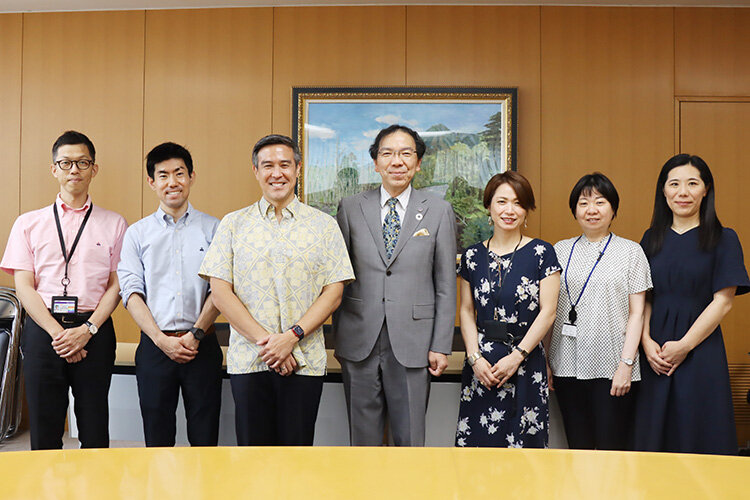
<point>665,359</point>
<point>498,374</point>
<point>276,352</point>
<point>179,349</point>
<point>69,344</point>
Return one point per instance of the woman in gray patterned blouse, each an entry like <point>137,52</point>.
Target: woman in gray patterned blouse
<point>593,350</point>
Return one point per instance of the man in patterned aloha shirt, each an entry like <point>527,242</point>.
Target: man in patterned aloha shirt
<point>277,271</point>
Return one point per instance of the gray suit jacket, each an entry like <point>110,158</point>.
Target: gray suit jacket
<point>414,291</point>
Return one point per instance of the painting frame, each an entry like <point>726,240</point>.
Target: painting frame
<point>322,113</point>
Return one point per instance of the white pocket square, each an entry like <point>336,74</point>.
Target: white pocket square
<point>421,232</point>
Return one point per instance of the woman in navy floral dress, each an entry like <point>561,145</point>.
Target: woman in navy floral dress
<point>509,290</point>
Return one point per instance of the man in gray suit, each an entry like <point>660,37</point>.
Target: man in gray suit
<point>395,324</point>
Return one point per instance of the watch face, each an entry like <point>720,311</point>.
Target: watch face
<point>92,328</point>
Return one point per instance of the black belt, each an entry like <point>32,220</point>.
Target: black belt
<point>72,319</point>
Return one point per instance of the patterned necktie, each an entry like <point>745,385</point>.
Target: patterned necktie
<point>391,227</point>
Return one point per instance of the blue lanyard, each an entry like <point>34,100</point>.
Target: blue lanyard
<point>572,315</point>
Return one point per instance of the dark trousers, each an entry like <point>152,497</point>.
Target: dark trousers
<point>592,418</point>
<point>275,410</point>
<point>159,383</point>
<point>48,377</point>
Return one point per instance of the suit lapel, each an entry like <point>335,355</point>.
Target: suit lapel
<point>415,212</point>
<point>370,206</point>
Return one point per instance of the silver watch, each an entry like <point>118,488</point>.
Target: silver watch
<point>92,328</point>
<point>627,361</point>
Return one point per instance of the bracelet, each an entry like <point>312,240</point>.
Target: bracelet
<point>522,351</point>
<point>473,358</point>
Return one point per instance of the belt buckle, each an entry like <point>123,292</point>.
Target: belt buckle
<point>67,319</point>
<point>510,340</point>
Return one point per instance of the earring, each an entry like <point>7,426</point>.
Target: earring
<point>489,220</point>
<point>524,224</point>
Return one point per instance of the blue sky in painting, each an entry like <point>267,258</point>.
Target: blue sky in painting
<point>340,128</point>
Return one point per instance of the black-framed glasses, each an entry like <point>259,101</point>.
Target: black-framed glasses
<point>82,164</point>
<point>404,154</point>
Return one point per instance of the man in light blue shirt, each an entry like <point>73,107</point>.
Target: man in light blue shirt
<point>161,289</point>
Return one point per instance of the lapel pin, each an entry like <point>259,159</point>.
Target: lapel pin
<point>419,216</point>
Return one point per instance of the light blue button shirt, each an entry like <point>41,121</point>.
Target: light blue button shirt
<point>160,260</point>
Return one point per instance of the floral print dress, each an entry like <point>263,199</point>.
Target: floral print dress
<point>517,414</point>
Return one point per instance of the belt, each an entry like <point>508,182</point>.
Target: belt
<point>72,319</point>
<point>180,333</point>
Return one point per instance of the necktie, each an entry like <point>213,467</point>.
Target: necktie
<point>391,227</point>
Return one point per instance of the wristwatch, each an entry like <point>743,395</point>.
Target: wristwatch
<point>524,353</point>
<point>298,331</point>
<point>627,361</point>
<point>473,358</point>
<point>92,328</point>
<point>198,333</point>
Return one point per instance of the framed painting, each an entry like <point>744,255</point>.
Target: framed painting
<point>470,135</point>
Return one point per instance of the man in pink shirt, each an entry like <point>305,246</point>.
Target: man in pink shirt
<point>64,260</point>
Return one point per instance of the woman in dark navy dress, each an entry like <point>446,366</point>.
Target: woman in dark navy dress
<point>685,402</point>
<point>509,285</point>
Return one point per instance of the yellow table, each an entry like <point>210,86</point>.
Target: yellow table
<point>420,473</point>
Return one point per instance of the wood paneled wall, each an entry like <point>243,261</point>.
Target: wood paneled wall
<point>10,124</point>
<point>599,89</point>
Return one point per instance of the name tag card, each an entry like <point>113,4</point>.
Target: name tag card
<point>569,330</point>
<point>64,304</point>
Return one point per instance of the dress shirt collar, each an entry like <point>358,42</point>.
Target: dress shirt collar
<point>65,207</point>
<point>403,198</point>
<point>267,210</point>
<point>165,219</point>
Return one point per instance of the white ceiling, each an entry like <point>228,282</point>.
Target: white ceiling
<point>72,5</point>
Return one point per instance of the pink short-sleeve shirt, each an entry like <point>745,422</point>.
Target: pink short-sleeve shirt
<point>34,245</point>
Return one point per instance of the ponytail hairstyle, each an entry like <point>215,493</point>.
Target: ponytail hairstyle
<point>709,231</point>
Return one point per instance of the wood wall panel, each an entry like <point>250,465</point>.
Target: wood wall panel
<point>11,26</point>
<point>84,71</point>
<point>712,52</point>
<point>438,54</point>
<point>334,46</point>
<point>718,133</point>
<point>607,105</point>
<point>208,86</point>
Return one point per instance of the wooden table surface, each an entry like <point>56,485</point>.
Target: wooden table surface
<point>331,473</point>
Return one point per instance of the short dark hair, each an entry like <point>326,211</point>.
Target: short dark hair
<point>594,182</point>
<point>518,182</point>
<point>273,139</point>
<point>419,143</point>
<point>168,151</point>
<point>71,137</point>
<point>710,228</point>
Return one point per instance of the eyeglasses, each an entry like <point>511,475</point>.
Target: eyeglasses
<point>404,154</point>
<point>82,164</point>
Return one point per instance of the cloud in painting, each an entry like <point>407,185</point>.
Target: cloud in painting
<point>319,132</point>
<point>438,133</point>
<point>371,134</point>
<point>391,119</point>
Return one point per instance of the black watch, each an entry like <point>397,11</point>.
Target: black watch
<point>198,333</point>
<point>298,331</point>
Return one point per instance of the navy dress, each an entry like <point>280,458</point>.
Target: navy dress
<point>691,410</point>
<point>517,414</point>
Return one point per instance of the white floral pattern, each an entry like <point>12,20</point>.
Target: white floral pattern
<point>515,415</point>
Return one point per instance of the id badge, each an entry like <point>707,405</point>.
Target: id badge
<point>67,304</point>
<point>569,330</point>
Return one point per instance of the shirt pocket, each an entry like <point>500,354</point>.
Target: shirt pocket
<point>96,255</point>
